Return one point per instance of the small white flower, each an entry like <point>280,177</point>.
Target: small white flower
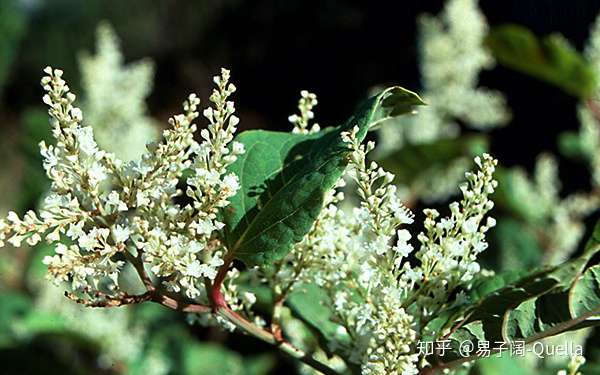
<point>414,275</point>
<point>141,199</point>
<point>61,249</point>
<point>480,246</point>
<point>96,173</point>
<point>230,182</point>
<point>49,156</point>
<point>76,230</point>
<point>403,235</point>
<point>114,201</point>
<point>77,114</point>
<point>194,269</point>
<point>85,138</point>
<point>237,148</point>
<point>249,298</point>
<point>470,225</point>
<point>195,247</point>
<point>120,233</point>
<point>204,227</point>
<point>13,217</point>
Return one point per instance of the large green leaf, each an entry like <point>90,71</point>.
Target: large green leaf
<point>545,303</point>
<point>284,176</point>
<point>551,58</point>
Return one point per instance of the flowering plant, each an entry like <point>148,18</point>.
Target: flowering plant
<point>209,225</point>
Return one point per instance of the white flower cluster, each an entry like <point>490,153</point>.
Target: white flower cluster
<point>103,212</point>
<point>452,55</point>
<point>306,104</point>
<point>380,207</point>
<point>370,279</point>
<point>108,211</point>
<point>358,267</point>
<point>588,137</point>
<point>114,98</point>
<point>450,246</point>
<point>587,140</point>
<point>180,244</point>
<point>560,221</point>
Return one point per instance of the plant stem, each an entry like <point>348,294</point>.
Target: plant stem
<point>269,338</point>
<point>178,305</point>
<point>214,291</point>
<point>221,308</point>
<point>276,318</point>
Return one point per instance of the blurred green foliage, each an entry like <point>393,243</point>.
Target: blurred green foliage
<point>551,58</point>
<point>12,29</point>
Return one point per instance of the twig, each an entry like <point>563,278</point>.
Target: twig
<point>221,308</point>
<point>106,300</point>
<point>178,305</point>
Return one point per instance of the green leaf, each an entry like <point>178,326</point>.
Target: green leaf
<point>284,176</point>
<point>313,306</point>
<point>545,303</point>
<point>211,358</point>
<point>481,287</point>
<point>418,163</point>
<point>551,58</point>
<point>484,286</point>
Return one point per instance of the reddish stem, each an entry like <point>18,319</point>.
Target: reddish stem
<point>216,296</point>
<point>220,307</point>
<point>175,304</point>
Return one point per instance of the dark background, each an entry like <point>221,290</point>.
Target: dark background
<point>277,48</point>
